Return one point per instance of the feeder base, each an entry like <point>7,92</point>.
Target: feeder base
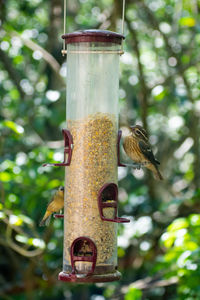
<point>90,278</point>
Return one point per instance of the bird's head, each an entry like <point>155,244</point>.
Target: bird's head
<point>139,132</point>
<point>61,188</point>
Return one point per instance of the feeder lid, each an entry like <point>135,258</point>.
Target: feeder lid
<point>93,35</point>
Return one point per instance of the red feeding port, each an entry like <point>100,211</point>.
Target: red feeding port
<point>68,147</point>
<point>58,216</point>
<point>83,249</point>
<point>108,197</point>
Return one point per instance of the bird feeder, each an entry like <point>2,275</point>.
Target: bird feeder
<point>91,156</point>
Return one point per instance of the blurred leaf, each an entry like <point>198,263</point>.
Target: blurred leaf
<point>13,126</point>
<point>178,224</point>
<point>120,252</point>
<point>187,21</point>
<point>15,220</point>
<point>133,294</point>
<point>5,176</point>
<point>2,215</point>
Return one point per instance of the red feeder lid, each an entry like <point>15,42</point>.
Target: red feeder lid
<point>93,35</point>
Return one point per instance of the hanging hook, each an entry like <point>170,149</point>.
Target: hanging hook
<point>63,51</point>
<point>122,30</point>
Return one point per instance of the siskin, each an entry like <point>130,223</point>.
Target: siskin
<point>56,204</point>
<point>136,146</point>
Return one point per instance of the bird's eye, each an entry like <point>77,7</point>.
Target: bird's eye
<point>137,132</point>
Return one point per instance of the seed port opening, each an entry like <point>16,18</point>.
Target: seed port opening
<point>108,202</point>
<point>83,256</point>
<point>83,248</point>
<point>68,148</point>
<point>109,193</point>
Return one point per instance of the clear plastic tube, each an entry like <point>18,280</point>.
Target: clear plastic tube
<point>92,118</point>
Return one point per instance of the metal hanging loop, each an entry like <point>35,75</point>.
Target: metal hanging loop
<point>120,52</point>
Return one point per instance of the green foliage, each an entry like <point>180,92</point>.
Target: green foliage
<point>133,294</point>
<point>182,240</point>
<point>159,87</point>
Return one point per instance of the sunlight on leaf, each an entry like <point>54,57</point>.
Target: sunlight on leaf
<point>178,224</point>
<point>13,126</point>
<point>26,219</point>
<point>37,243</point>
<point>5,176</point>
<point>187,21</point>
<point>21,238</point>
<point>133,294</point>
<point>2,215</point>
<point>168,239</point>
<point>15,220</point>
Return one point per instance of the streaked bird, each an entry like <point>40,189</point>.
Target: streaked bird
<point>56,204</point>
<point>137,147</point>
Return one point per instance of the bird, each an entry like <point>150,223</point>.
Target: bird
<point>137,147</point>
<point>56,204</point>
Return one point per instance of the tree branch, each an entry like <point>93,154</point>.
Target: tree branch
<point>14,74</point>
<point>147,283</point>
<point>46,55</point>
<point>20,250</point>
<point>143,97</point>
<point>150,283</point>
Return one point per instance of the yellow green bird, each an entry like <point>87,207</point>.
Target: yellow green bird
<point>56,204</point>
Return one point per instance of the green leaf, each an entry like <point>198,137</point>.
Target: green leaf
<point>39,243</point>
<point>18,59</point>
<point>120,252</point>
<point>14,94</point>
<point>5,176</point>
<point>168,239</point>
<point>13,126</point>
<point>15,220</point>
<point>161,96</point>
<point>187,21</point>
<point>194,219</point>
<point>21,238</point>
<point>133,294</point>
<point>179,223</point>
<point>2,215</point>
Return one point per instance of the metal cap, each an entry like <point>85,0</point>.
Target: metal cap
<point>93,35</point>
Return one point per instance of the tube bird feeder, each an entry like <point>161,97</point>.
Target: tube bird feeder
<point>91,157</point>
<point>91,192</point>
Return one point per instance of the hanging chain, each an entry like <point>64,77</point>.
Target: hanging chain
<point>64,51</point>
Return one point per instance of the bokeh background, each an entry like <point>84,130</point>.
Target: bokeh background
<point>159,251</point>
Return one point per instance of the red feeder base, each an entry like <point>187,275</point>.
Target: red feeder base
<point>90,278</point>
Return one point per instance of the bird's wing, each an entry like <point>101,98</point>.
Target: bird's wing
<point>146,150</point>
<point>56,203</point>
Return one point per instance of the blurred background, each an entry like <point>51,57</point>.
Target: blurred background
<point>159,251</point>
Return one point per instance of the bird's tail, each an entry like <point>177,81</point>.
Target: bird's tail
<point>155,171</point>
<point>157,174</point>
<point>45,221</point>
